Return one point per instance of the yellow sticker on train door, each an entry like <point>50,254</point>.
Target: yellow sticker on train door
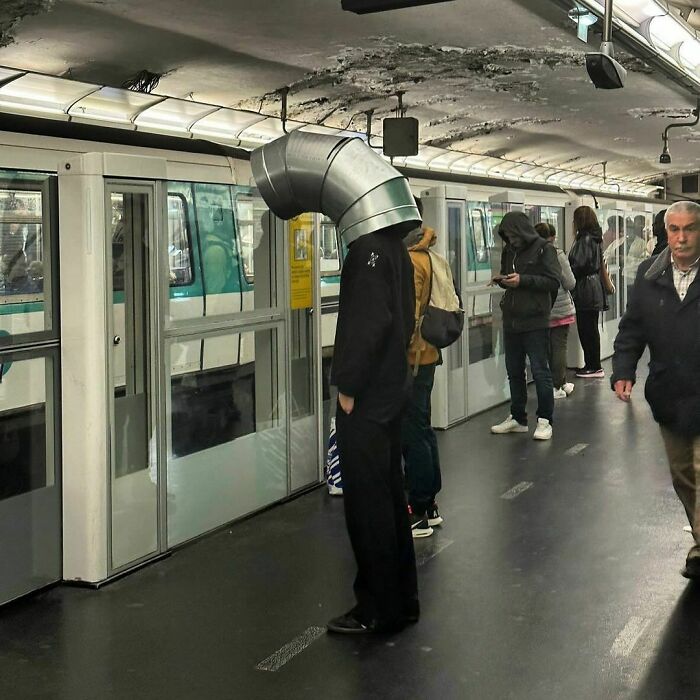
<point>301,268</point>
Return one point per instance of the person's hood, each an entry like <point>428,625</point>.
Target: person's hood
<point>596,233</point>
<point>427,238</point>
<point>519,225</point>
<point>659,228</point>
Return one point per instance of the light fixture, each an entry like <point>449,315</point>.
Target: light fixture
<point>665,157</point>
<point>603,70</point>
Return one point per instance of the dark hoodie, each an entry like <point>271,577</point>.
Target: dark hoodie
<point>527,306</point>
<point>375,324</point>
<point>586,257</point>
<point>659,230</point>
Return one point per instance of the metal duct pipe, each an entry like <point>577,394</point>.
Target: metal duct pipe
<point>340,177</point>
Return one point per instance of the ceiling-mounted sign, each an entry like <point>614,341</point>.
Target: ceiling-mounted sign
<point>400,136</point>
<point>362,7</point>
<point>301,262</point>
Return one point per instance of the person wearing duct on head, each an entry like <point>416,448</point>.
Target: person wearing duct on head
<point>370,368</point>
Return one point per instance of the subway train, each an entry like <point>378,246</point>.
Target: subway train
<point>215,223</point>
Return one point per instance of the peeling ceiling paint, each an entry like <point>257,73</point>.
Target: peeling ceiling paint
<point>14,11</point>
<point>501,77</point>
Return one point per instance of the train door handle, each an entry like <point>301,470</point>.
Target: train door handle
<point>117,339</point>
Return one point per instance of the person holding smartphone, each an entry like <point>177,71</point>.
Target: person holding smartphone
<point>530,274</point>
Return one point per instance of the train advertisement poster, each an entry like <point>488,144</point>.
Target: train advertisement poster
<point>301,261</point>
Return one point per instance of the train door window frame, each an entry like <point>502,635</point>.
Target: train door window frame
<point>46,185</point>
<point>187,239</point>
<point>242,225</point>
<point>326,223</point>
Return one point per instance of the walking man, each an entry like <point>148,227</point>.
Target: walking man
<point>664,315</point>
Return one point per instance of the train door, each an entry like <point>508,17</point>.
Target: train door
<point>455,355</point>
<point>30,473</point>
<point>486,376</point>
<point>133,478</point>
<point>304,350</point>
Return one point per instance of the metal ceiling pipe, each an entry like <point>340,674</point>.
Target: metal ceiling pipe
<point>340,177</point>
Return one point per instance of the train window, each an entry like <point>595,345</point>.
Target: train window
<point>21,245</point>
<point>330,248</point>
<point>250,212</point>
<point>179,242</point>
<point>117,234</point>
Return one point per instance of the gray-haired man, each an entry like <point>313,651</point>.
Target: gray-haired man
<point>664,314</point>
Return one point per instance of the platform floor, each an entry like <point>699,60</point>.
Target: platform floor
<point>568,589</point>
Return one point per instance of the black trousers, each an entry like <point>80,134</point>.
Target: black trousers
<point>420,449</point>
<point>588,334</point>
<point>376,514</point>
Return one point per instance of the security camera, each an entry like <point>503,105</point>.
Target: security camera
<point>603,70</point>
<point>665,158</point>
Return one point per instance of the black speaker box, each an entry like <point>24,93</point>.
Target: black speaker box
<point>400,136</point>
<point>362,7</point>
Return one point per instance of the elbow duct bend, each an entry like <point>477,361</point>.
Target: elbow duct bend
<point>340,177</point>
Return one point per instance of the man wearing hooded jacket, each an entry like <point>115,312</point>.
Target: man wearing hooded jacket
<point>530,274</point>
<point>370,369</point>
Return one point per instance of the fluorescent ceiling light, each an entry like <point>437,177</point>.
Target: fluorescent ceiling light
<point>665,33</point>
<point>113,104</point>
<point>689,55</point>
<point>225,123</point>
<point>638,11</point>
<point>174,115</point>
<point>43,93</point>
<point>267,130</point>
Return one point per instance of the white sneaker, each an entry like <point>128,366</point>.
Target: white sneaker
<point>568,387</point>
<point>560,394</point>
<point>543,431</point>
<point>509,425</point>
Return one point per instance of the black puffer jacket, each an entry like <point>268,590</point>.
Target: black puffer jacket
<point>527,306</point>
<point>656,317</point>
<point>586,257</point>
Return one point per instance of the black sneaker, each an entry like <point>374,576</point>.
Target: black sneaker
<point>348,624</point>
<point>434,517</point>
<point>420,526</point>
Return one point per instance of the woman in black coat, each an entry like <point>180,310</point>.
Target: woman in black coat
<point>586,257</point>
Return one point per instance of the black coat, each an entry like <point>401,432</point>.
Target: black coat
<point>376,317</point>
<point>657,318</point>
<point>586,258</point>
<point>527,306</point>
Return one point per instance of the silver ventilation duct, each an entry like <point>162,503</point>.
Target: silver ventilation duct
<point>342,178</point>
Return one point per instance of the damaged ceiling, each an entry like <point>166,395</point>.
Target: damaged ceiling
<point>504,78</point>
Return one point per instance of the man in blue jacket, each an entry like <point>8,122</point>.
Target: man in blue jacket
<point>530,274</point>
<point>664,315</point>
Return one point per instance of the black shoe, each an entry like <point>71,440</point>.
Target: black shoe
<point>348,624</point>
<point>691,569</point>
<point>434,517</point>
<point>419,525</point>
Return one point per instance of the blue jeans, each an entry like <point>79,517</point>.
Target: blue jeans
<point>534,345</point>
